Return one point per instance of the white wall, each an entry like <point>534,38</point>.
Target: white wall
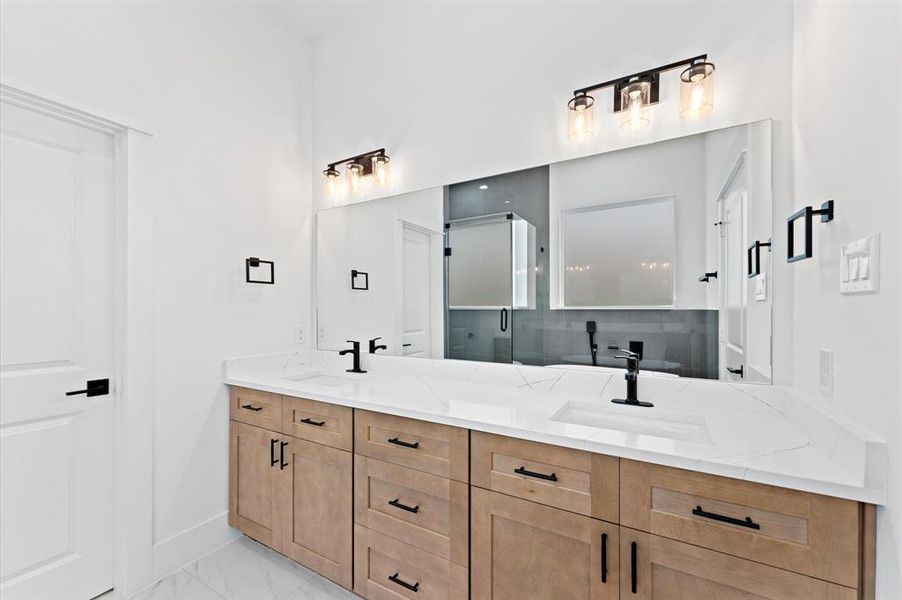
<point>226,93</point>
<point>846,147</point>
<point>367,237</point>
<point>673,168</point>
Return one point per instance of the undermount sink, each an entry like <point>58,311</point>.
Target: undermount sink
<point>646,421</point>
<point>321,380</point>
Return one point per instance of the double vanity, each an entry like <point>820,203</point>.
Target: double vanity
<point>447,479</point>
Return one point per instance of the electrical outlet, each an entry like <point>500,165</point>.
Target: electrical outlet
<point>298,334</point>
<point>826,378</point>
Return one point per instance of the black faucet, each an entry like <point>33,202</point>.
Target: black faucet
<point>593,347</point>
<point>374,347</point>
<point>355,350</point>
<point>632,378</point>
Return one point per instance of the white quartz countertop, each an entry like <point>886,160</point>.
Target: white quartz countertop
<point>757,433</point>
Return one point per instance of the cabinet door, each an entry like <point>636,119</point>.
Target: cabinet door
<point>522,550</point>
<point>313,508</point>
<point>655,567</point>
<point>253,466</point>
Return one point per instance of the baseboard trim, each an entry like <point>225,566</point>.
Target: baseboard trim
<point>187,546</point>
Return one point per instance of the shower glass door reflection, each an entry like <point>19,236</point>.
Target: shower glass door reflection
<point>490,273</point>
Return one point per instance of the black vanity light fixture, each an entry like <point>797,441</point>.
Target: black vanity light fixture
<point>362,170</point>
<point>807,213</point>
<point>253,262</point>
<point>633,94</point>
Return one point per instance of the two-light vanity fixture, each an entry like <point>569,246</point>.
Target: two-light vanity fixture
<point>633,95</point>
<point>363,171</point>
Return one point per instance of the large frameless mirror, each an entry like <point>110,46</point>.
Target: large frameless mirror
<point>643,248</point>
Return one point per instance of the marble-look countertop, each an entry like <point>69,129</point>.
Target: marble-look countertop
<point>757,433</point>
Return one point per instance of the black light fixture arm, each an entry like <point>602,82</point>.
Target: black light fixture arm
<point>359,157</point>
<point>641,74</point>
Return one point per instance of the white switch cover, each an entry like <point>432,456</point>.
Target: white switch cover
<point>826,375</point>
<point>761,288</point>
<point>859,266</point>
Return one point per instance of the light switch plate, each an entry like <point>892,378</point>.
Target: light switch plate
<point>761,288</point>
<point>859,266</point>
<point>826,372</point>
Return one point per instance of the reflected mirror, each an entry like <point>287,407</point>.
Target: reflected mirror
<point>645,248</point>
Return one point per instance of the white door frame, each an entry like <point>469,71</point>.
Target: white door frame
<point>134,327</point>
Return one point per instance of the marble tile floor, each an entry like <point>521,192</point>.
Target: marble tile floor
<point>241,570</point>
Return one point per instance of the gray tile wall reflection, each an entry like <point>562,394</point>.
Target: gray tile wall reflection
<point>683,342</point>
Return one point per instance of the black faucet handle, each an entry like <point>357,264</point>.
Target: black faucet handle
<point>376,339</point>
<point>626,353</point>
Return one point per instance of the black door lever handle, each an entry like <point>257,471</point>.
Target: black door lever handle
<point>95,387</point>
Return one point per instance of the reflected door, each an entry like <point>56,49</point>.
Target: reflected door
<point>56,318</point>
<point>733,302</point>
<point>416,295</point>
<point>480,290</point>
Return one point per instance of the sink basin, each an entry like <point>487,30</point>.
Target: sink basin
<point>646,421</point>
<point>328,381</point>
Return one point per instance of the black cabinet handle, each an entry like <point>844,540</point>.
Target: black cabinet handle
<point>398,442</point>
<point>699,512</point>
<point>282,463</point>
<point>736,371</point>
<point>252,407</point>
<point>604,558</point>
<point>412,587</point>
<point>397,504</point>
<point>634,567</point>
<point>272,451</point>
<point>94,387</point>
<point>309,421</point>
<point>503,319</point>
<point>524,471</point>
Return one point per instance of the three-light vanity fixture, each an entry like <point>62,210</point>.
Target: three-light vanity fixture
<point>634,94</point>
<point>363,171</point>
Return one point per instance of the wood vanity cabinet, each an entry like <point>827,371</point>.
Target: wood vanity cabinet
<point>293,495</point>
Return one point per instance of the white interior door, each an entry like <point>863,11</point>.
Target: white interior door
<point>732,265</point>
<point>56,333</point>
<point>416,327</point>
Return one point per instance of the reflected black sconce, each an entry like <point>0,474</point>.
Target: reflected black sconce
<point>255,263</point>
<point>707,277</point>
<point>375,164</point>
<point>753,257</point>
<point>360,280</point>
<point>633,94</point>
<point>826,214</point>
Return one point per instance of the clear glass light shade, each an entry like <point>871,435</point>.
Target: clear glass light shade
<point>697,91</point>
<point>634,101</point>
<point>331,183</point>
<point>355,179</point>
<point>382,171</point>
<point>581,117</point>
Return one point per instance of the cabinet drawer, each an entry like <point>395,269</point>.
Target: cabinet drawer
<point>262,409</point>
<point>420,509</point>
<point>574,480</point>
<point>387,568</point>
<point>801,532</point>
<point>430,447</point>
<point>327,424</point>
<point>526,551</point>
<point>655,567</point>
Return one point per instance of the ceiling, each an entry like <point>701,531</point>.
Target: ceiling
<point>314,18</point>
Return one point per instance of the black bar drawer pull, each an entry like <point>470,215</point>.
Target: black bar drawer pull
<point>412,587</point>
<point>604,558</point>
<point>272,451</point>
<point>398,442</point>
<point>252,407</point>
<point>282,463</point>
<point>397,504</point>
<point>309,421</point>
<point>634,567</point>
<point>524,471</point>
<point>724,519</point>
